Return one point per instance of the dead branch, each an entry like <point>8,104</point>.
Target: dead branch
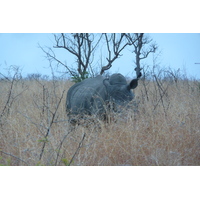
<point>11,97</point>
<point>78,148</point>
<point>82,46</point>
<point>51,56</point>
<point>51,123</point>
<point>61,143</point>
<point>117,46</point>
<point>139,42</point>
<point>14,157</point>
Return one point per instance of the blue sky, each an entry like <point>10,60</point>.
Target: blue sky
<point>177,50</point>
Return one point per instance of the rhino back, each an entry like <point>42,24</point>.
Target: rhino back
<point>87,97</point>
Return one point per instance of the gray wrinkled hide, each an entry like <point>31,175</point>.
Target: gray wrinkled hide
<point>94,96</point>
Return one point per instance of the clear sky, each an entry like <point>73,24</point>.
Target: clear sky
<point>181,50</point>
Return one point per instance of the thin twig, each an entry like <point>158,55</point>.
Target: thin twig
<point>51,123</point>
<point>61,143</point>
<point>14,157</point>
<point>78,149</point>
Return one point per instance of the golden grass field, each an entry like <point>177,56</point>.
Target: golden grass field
<point>165,130</point>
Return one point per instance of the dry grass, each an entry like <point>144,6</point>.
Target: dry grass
<point>34,129</point>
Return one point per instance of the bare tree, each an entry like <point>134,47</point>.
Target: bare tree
<point>115,45</point>
<point>83,47</point>
<point>139,42</point>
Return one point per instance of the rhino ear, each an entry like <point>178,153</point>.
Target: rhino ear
<point>107,85</point>
<point>133,84</point>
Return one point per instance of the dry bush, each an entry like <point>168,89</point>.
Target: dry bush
<point>165,129</point>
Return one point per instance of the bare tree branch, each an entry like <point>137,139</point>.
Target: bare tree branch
<point>117,45</point>
<point>51,56</point>
<point>82,46</point>
<point>50,125</point>
<point>14,157</point>
<point>139,41</point>
<point>78,149</point>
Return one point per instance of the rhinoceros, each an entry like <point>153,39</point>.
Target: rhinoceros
<point>95,96</point>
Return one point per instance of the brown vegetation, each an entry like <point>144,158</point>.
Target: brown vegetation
<point>165,129</point>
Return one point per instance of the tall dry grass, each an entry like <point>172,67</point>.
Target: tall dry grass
<point>165,129</point>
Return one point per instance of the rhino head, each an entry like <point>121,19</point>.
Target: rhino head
<point>118,91</point>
